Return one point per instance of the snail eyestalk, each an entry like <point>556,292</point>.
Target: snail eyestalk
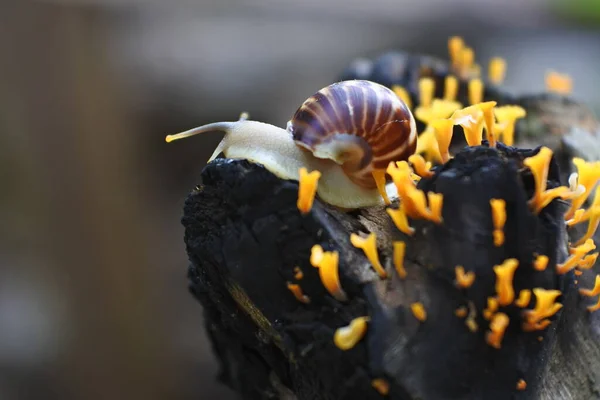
<point>346,337</point>
<point>497,70</point>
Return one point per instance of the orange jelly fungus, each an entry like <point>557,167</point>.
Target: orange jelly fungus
<point>421,167</point>
<point>577,217</point>
<point>450,88</point>
<point>327,262</point>
<point>455,46</point>
<point>426,91</point>
<point>594,292</point>
<point>470,321</point>
<point>443,135</point>
<point>418,311</point>
<point>540,263</point>
<point>545,307</point>
<point>413,199</point>
<point>438,109</point>
<point>400,220</point>
<point>427,144</point>
<point>298,274</point>
<point>588,261</point>
<point>346,337</point>
<point>381,385</point>
<point>369,246</point>
<point>497,70</point>
<point>464,279</point>
<point>297,292</point>
<point>524,298</point>
<point>588,174</point>
<point>508,115</point>
<point>307,189</point>
<point>593,215</point>
<point>492,307</point>
<point>461,312</point>
<point>399,252</point>
<point>403,95</point>
<point>472,121</point>
<point>488,118</point>
<point>521,384</point>
<point>504,281</point>
<point>559,83</point>
<point>379,178</point>
<point>498,326</point>
<point>498,219</point>
<point>475,91</point>
<point>466,61</point>
<point>576,256</point>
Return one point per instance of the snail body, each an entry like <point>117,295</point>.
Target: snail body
<point>348,131</point>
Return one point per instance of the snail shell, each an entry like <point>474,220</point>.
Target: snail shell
<point>359,124</point>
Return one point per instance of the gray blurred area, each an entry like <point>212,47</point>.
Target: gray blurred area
<point>93,291</point>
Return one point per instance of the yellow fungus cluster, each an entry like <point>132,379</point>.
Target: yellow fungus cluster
<point>540,263</point>
<point>327,262</point>
<point>576,257</point>
<point>413,200</point>
<point>346,337</point>
<point>524,298</point>
<point>369,246</point>
<point>545,307</point>
<point>307,189</point>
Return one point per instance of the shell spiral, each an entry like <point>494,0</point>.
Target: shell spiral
<point>360,124</point>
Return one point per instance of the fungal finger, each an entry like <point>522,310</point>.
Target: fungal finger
<point>464,279</point>
<point>420,166</point>
<point>471,120</point>
<point>369,246</point>
<point>539,164</point>
<point>399,251</point>
<point>455,46</point>
<point>498,219</point>
<point>418,311</point>
<point>521,384</point>
<point>559,83</point>
<point>576,256</point>
<point>381,385</point>
<point>403,95</point>
<point>545,307</point>
<point>588,261</point>
<point>345,338</point>
<point>428,145</point>
<point>461,312</point>
<point>307,189</point>
<point>297,292</point>
<point>328,264</point>
<point>592,226</point>
<point>504,281</point>
<point>540,263</point>
<point>379,177</point>
<point>497,328</point>
<point>508,115</point>
<point>588,174</point>
<point>475,91</point>
<point>450,88</point>
<point>488,117</point>
<point>492,307</point>
<point>443,134</point>
<point>593,292</point>
<point>524,298</point>
<point>400,220</point>
<point>497,70</point>
<point>426,91</point>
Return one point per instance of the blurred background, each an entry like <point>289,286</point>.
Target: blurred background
<point>93,292</point>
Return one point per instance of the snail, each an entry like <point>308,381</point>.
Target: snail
<point>349,131</point>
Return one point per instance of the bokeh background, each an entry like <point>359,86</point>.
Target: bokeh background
<point>93,291</point>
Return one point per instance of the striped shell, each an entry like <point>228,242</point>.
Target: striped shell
<point>359,124</point>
